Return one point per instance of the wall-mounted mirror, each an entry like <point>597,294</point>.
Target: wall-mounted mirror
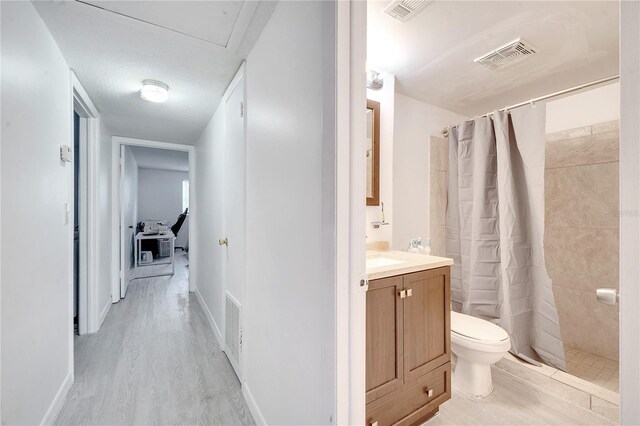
<point>373,153</point>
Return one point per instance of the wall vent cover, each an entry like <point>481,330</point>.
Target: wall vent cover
<point>403,10</point>
<point>233,332</point>
<point>509,54</point>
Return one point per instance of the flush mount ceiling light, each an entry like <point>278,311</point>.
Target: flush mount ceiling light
<point>154,91</point>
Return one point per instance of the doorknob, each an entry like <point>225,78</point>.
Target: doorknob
<point>224,242</point>
<point>608,296</point>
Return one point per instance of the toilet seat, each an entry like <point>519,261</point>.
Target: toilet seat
<point>476,330</point>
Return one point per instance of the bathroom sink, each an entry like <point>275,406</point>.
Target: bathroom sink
<point>378,262</point>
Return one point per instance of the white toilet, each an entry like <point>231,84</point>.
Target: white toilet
<point>477,345</point>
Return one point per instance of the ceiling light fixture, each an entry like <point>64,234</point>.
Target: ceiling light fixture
<point>154,91</point>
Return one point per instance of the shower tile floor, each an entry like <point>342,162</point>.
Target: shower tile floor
<point>593,368</point>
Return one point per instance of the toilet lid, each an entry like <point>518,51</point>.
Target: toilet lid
<point>476,328</point>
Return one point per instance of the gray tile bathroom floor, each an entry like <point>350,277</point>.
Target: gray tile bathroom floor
<point>514,401</point>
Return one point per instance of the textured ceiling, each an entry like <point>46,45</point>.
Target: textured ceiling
<point>432,54</point>
<point>163,159</point>
<point>194,47</point>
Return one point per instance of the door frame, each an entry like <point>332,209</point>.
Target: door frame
<point>88,311</point>
<point>350,124</point>
<point>629,213</point>
<point>116,142</point>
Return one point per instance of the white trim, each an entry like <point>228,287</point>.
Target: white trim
<point>117,141</point>
<point>56,405</point>
<point>343,138</point>
<point>207,313</point>
<point>88,313</point>
<point>253,405</point>
<point>351,44</point>
<point>104,312</point>
<point>630,211</point>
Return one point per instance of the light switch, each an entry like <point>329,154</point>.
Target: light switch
<point>66,153</point>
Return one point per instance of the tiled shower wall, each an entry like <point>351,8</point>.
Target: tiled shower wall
<point>439,161</point>
<point>581,228</point>
<point>582,233</point>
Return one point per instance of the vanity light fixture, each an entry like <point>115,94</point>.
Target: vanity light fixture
<point>374,80</point>
<point>154,91</point>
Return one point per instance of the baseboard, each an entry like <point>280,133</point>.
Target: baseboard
<point>58,401</point>
<point>103,314</point>
<point>209,316</point>
<point>253,405</point>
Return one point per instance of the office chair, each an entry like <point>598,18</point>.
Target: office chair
<point>176,226</point>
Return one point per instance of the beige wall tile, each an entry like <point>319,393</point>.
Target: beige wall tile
<point>439,154</point>
<point>438,192</point>
<point>438,216</point>
<point>582,196</point>
<point>569,134</point>
<point>438,241</point>
<point>607,126</point>
<point>582,258</point>
<point>587,324</point>
<point>592,149</point>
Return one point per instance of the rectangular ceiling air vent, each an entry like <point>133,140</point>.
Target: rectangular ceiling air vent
<point>507,55</point>
<point>403,10</point>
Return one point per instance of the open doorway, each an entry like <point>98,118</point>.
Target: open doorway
<point>153,192</point>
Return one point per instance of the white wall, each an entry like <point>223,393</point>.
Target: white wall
<point>386,97</point>
<point>160,197</point>
<point>290,334</point>
<point>415,122</point>
<point>103,219</point>
<point>584,109</point>
<point>210,192</point>
<point>36,242</point>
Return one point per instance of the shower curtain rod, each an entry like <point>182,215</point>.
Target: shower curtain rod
<point>445,131</point>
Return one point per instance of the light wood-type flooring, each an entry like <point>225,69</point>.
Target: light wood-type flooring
<point>154,361</point>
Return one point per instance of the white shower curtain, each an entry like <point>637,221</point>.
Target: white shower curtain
<point>495,228</point>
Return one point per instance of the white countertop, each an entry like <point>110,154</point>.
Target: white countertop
<point>403,263</point>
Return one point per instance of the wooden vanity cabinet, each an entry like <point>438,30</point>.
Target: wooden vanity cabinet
<point>408,348</point>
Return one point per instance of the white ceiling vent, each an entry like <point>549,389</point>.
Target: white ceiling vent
<point>403,10</point>
<point>506,55</point>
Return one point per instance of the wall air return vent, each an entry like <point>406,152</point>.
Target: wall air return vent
<point>403,10</point>
<point>507,55</point>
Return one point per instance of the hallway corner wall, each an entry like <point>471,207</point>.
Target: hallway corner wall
<point>289,371</point>
<point>37,339</point>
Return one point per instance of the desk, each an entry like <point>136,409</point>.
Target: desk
<point>160,236</point>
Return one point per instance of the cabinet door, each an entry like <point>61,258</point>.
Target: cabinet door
<point>384,337</point>
<point>427,339</point>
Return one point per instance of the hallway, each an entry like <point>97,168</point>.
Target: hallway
<point>155,361</point>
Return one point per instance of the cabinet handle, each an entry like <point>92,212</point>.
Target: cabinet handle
<point>429,392</point>
<point>403,294</point>
<point>409,292</point>
<point>373,423</point>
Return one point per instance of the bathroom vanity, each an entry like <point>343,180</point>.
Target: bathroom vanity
<point>408,338</point>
